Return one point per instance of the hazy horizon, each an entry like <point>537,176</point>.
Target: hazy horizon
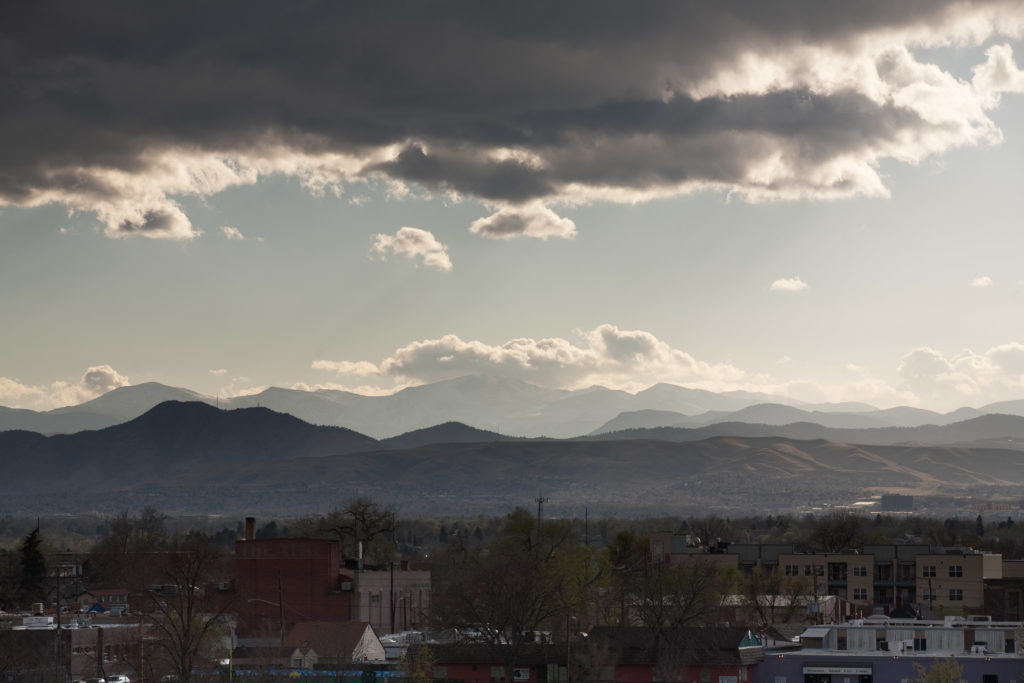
<point>811,201</point>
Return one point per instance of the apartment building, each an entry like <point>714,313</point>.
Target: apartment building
<point>952,581</point>
<point>874,578</point>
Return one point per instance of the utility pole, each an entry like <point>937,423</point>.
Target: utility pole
<point>280,606</point>
<point>391,597</point>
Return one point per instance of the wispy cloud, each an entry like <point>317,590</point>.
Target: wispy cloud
<point>983,281</point>
<point>358,368</point>
<point>232,233</point>
<point>788,284</point>
<point>414,242</point>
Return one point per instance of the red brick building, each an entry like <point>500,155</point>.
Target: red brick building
<point>283,581</point>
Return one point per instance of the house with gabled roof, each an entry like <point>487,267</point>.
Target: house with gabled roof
<point>330,644</point>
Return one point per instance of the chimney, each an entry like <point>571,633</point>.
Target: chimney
<point>250,528</point>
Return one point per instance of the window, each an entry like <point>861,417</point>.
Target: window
<point>860,571</point>
<point>840,642</point>
<point>956,570</point>
<point>920,644</point>
<point>792,570</point>
<point>956,594</point>
<point>928,571</point>
<point>927,594</point>
<point>860,593</point>
<point>807,570</point>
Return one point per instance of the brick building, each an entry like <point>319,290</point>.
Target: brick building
<point>283,581</point>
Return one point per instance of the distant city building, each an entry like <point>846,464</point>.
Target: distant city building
<point>894,502</point>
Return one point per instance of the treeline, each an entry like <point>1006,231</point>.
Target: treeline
<point>413,538</point>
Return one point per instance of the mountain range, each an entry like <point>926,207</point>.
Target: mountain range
<point>190,457</point>
<point>501,405</point>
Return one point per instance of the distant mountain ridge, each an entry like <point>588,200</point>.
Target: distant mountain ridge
<point>192,457</point>
<point>495,404</point>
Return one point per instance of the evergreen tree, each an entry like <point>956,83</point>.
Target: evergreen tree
<point>33,568</point>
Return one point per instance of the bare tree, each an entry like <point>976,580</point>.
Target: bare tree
<point>184,614</point>
<point>835,531</point>
<point>123,556</point>
<point>774,598</point>
<point>363,520</point>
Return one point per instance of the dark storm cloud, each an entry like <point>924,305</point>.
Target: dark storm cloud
<point>118,107</point>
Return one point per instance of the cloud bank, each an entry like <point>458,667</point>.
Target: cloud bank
<point>608,356</point>
<point>121,109</point>
<point>964,378</point>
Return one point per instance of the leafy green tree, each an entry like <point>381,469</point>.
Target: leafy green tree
<point>418,664</point>
<point>625,562</point>
<point>941,671</point>
<point>531,577</point>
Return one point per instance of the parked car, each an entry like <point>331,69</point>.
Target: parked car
<point>118,678</point>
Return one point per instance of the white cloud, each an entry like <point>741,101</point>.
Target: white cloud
<point>608,356</point>
<point>413,242</point>
<point>232,233</point>
<point>605,355</point>
<point>983,281</point>
<point>533,220</point>
<point>966,377</point>
<point>789,284</point>
<point>99,379</point>
<point>246,391</point>
<point>240,386</point>
<point>219,372</point>
<point>999,74</point>
<point>95,381</point>
<point>361,389</point>
<point>359,368</point>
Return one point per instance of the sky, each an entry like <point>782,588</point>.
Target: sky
<point>816,200</point>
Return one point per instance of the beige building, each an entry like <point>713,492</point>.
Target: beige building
<point>952,582</point>
<point>849,576</point>
<point>392,600</point>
